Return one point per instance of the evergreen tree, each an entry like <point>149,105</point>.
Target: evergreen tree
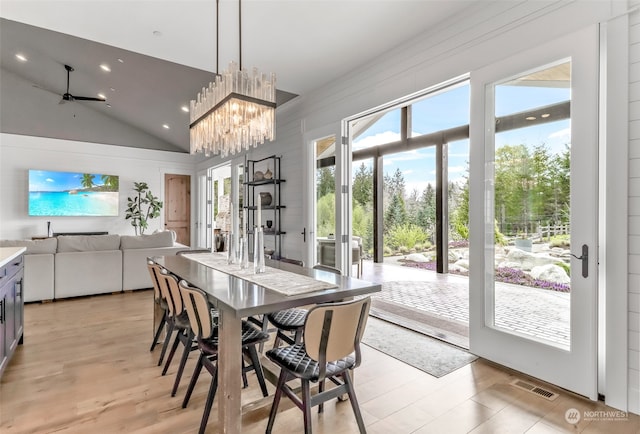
<point>396,214</point>
<point>325,181</point>
<point>363,186</point>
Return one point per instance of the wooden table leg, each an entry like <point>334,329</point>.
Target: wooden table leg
<point>229,372</point>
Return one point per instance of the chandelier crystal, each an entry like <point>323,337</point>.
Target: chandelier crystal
<point>235,112</point>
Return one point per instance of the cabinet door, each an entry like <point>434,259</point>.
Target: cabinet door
<point>10,315</point>
<point>19,307</point>
<point>3,334</point>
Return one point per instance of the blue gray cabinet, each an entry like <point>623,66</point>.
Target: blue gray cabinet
<point>11,308</point>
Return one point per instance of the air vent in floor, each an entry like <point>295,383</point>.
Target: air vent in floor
<point>536,390</point>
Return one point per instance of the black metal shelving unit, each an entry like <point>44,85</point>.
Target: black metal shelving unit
<point>273,212</point>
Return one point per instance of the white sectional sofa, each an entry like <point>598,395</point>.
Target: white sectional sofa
<point>38,267</point>
<point>76,265</point>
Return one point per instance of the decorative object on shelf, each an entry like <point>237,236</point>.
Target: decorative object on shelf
<point>268,174</point>
<point>258,176</point>
<point>269,223</point>
<point>265,198</point>
<point>142,208</point>
<point>236,111</point>
<point>268,252</point>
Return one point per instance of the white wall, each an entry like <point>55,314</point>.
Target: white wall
<point>634,210</point>
<point>18,154</point>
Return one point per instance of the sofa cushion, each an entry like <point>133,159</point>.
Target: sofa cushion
<point>34,247</point>
<point>88,243</point>
<point>160,239</point>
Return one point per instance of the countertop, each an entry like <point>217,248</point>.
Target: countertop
<point>9,253</point>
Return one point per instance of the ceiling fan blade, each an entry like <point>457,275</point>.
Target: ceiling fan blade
<point>88,98</point>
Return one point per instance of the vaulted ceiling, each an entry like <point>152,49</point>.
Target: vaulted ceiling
<point>161,53</point>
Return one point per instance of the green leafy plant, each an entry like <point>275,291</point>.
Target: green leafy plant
<point>407,236</point>
<point>142,208</point>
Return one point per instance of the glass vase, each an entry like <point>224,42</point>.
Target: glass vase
<point>258,252</point>
<point>244,253</point>
<point>232,254</point>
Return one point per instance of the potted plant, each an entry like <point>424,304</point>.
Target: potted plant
<point>142,208</point>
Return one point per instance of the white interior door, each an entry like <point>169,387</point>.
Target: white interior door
<point>533,165</point>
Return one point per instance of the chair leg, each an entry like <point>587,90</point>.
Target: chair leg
<point>174,347</point>
<point>163,321</point>
<point>282,380</point>
<point>354,401</point>
<point>320,390</point>
<point>257,367</point>
<point>188,345</point>
<point>194,380</point>
<point>306,406</point>
<point>166,341</point>
<point>265,329</point>
<point>209,403</point>
<point>245,382</point>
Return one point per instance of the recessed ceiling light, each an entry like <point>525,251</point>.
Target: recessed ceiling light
<point>112,89</point>
<point>21,57</point>
<point>545,115</point>
<point>120,60</point>
<point>108,105</point>
<point>101,95</point>
<point>105,67</point>
<point>185,109</point>
<point>157,33</point>
<point>530,118</point>
<point>165,126</point>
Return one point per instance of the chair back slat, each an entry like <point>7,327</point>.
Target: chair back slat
<point>152,267</point>
<point>198,309</point>
<point>163,283</point>
<point>176,295</point>
<point>342,329</point>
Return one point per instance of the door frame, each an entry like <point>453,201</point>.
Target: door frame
<point>485,340</point>
<point>309,186</point>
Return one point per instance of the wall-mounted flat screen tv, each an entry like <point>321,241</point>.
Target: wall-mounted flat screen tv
<point>72,194</point>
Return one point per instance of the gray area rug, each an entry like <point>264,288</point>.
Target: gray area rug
<point>427,354</point>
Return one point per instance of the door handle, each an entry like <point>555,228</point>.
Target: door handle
<point>304,235</point>
<point>584,257</point>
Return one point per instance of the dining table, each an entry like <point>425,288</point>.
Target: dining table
<point>239,293</point>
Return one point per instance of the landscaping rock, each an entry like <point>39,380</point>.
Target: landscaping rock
<point>522,260</point>
<point>462,263</point>
<point>417,257</point>
<point>550,273</point>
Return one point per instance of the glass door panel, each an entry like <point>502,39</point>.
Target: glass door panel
<point>533,193</point>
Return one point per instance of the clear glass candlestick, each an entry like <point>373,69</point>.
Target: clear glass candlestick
<point>232,254</point>
<point>258,252</point>
<point>244,253</point>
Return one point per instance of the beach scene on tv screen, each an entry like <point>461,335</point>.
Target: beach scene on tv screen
<point>72,194</point>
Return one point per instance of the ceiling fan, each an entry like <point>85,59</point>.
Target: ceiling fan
<point>68,97</point>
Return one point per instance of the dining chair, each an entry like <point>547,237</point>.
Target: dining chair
<point>290,322</point>
<point>158,300</point>
<point>206,333</point>
<point>180,323</point>
<point>330,350</point>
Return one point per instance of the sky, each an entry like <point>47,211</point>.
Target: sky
<point>42,180</point>
<point>451,109</point>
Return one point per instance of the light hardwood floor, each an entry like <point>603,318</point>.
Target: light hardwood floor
<point>85,367</point>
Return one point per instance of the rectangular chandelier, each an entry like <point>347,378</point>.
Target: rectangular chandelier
<point>236,112</point>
